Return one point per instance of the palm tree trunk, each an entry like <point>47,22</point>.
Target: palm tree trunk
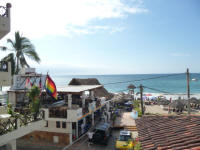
<point>17,69</point>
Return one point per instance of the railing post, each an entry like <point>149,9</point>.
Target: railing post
<point>18,122</point>
<point>16,125</point>
<point>8,6</point>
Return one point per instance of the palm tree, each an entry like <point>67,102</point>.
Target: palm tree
<point>22,47</point>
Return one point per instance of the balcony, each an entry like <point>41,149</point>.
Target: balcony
<point>4,20</point>
<point>58,112</point>
<point>17,125</point>
<point>5,73</point>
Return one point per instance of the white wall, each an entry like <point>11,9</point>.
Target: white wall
<point>6,138</point>
<point>52,127</point>
<point>6,78</point>
<point>4,26</point>
<point>12,98</point>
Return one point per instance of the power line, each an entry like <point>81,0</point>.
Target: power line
<point>157,90</point>
<point>144,79</point>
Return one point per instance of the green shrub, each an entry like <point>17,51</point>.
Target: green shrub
<point>139,111</point>
<point>137,146</point>
<point>136,103</point>
<point>34,95</point>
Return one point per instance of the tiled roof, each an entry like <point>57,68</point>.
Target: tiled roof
<point>169,132</point>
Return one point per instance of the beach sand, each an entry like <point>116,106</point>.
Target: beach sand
<point>174,96</point>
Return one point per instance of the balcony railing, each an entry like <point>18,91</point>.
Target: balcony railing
<point>19,120</point>
<point>4,10</point>
<point>58,112</point>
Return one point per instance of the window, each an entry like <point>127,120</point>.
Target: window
<point>46,124</point>
<point>63,124</point>
<point>57,124</point>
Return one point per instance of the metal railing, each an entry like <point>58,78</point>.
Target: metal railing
<point>19,120</point>
<point>4,12</point>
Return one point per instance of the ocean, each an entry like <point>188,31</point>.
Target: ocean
<point>170,83</point>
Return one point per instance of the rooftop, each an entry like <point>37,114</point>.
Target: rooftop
<point>169,132</point>
<point>77,88</point>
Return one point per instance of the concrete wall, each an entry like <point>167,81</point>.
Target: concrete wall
<point>52,137</point>
<point>52,127</point>
<point>4,26</point>
<point>6,78</point>
<point>74,114</point>
<point>12,98</point>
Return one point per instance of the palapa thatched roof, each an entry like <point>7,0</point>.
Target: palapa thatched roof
<point>163,102</point>
<point>179,104</point>
<point>88,81</point>
<point>131,86</point>
<point>194,100</point>
<point>99,92</point>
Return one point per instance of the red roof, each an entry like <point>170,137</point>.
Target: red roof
<point>169,132</point>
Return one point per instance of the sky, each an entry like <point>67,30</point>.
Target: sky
<point>81,37</point>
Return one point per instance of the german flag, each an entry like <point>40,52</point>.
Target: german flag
<point>50,87</point>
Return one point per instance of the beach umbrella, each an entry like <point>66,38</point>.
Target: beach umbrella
<point>179,104</point>
<point>148,94</point>
<point>194,100</point>
<point>152,98</point>
<point>131,86</point>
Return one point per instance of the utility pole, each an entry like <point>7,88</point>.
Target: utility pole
<point>141,98</point>
<point>188,90</point>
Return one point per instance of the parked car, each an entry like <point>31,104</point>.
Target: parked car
<point>102,133</point>
<point>125,141</point>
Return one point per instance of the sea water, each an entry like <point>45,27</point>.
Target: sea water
<point>174,83</point>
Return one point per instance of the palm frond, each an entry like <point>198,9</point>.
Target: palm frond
<point>23,62</point>
<point>11,42</point>
<point>32,54</point>
<point>22,47</point>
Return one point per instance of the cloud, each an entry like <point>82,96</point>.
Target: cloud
<point>37,18</point>
<point>180,54</point>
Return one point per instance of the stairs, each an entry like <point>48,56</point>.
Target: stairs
<point>130,128</point>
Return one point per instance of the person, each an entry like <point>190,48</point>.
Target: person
<point>90,136</point>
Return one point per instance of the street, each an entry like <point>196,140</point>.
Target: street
<point>83,144</point>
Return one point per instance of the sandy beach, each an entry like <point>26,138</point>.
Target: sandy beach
<point>174,96</point>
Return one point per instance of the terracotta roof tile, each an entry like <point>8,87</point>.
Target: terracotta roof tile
<point>169,132</point>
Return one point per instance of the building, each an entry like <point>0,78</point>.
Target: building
<point>68,119</point>
<point>99,92</point>
<point>5,68</point>
<point>21,85</point>
<point>5,74</point>
<point>169,132</point>
<point>4,20</point>
<point>13,127</point>
<point>78,108</point>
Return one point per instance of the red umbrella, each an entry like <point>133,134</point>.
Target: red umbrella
<point>148,94</point>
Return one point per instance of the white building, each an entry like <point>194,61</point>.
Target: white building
<point>76,110</point>
<point>69,119</point>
